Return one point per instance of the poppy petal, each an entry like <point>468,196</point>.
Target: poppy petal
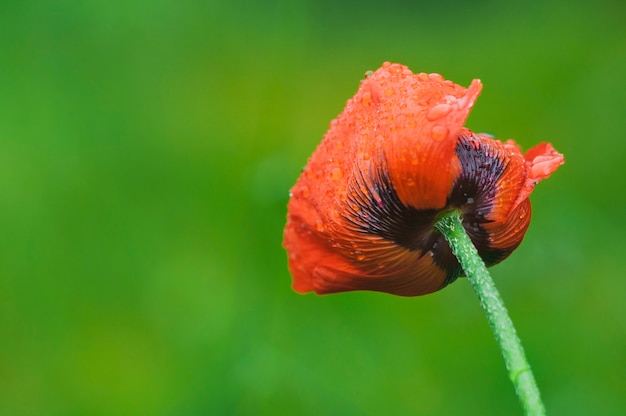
<point>403,273</point>
<point>541,161</point>
<point>507,233</point>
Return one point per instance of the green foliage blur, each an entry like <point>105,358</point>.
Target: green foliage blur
<point>146,153</point>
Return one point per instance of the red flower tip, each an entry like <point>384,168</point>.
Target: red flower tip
<point>542,160</point>
<point>361,216</point>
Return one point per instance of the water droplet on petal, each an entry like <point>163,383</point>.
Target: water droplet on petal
<point>435,77</point>
<point>439,133</point>
<point>395,69</point>
<point>366,98</point>
<point>438,111</point>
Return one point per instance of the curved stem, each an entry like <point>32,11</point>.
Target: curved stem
<point>451,227</point>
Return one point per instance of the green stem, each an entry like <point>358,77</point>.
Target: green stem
<point>451,227</point>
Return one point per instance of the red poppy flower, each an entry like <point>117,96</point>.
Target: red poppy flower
<point>361,216</point>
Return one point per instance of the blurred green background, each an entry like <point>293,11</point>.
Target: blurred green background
<point>146,152</point>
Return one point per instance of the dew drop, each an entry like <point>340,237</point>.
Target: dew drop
<point>389,92</point>
<point>366,156</point>
<point>435,77</point>
<point>336,174</point>
<point>439,133</point>
<point>470,200</point>
<point>438,111</point>
<point>366,99</point>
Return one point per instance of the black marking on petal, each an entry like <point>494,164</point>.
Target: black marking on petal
<point>475,190</point>
<point>380,212</point>
<point>476,187</point>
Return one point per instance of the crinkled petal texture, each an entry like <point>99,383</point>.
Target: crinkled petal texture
<point>361,216</point>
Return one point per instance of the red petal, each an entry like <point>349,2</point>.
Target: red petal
<point>330,263</point>
<point>506,233</point>
<point>404,274</point>
<point>541,161</point>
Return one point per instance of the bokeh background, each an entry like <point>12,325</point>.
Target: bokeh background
<point>146,153</point>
